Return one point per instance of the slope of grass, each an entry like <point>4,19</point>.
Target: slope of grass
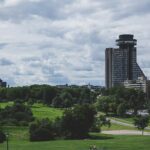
<point>116,142</point>
<point>17,133</point>
<point>4,104</point>
<point>41,111</point>
<point>125,120</point>
<point>19,138</point>
<point>118,127</point>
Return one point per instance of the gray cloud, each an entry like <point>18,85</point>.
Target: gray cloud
<point>5,62</point>
<point>26,9</point>
<point>2,45</point>
<point>58,42</point>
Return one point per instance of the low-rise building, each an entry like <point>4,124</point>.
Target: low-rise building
<point>139,84</point>
<point>2,83</point>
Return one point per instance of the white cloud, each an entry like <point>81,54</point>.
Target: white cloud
<point>55,42</point>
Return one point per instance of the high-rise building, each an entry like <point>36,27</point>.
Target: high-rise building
<point>121,63</point>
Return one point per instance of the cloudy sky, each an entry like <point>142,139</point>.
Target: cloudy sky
<point>63,41</point>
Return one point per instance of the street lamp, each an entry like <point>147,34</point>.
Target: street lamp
<point>7,140</point>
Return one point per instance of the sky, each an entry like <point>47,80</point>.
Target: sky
<point>63,41</point>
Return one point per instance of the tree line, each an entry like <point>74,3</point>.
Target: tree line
<point>119,100</point>
<point>50,95</point>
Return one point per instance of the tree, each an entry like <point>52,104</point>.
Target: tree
<point>141,122</point>
<point>100,121</point>
<point>41,130</point>
<point>136,100</point>
<point>67,100</point>
<point>121,109</point>
<point>57,102</point>
<point>103,104</point>
<point>17,114</point>
<point>49,93</point>
<point>77,121</point>
<point>2,137</point>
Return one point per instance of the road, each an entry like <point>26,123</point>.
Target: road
<point>124,132</point>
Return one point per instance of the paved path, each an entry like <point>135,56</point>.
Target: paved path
<point>125,132</point>
<point>123,123</point>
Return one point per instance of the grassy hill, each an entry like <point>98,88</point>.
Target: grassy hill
<point>101,141</point>
<point>18,136</point>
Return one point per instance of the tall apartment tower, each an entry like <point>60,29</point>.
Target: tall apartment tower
<point>121,63</point>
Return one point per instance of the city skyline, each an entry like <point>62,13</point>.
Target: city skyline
<point>58,42</point>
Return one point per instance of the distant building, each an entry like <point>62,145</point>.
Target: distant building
<point>3,84</point>
<point>121,63</point>
<point>139,84</point>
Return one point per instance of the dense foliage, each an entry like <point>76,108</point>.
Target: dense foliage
<point>50,95</point>
<point>42,130</point>
<point>141,122</point>
<point>75,124</point>
<point>18,114</point>
<point>119,100</point>
<point>2,137</point>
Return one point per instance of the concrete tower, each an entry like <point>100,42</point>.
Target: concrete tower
<point>121,63</point>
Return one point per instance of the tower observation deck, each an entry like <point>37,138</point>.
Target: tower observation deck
<point>121,63</point>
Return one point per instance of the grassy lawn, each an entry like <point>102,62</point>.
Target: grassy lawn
<point>17,133</point>
<point>4,104</point>
<point>101,141</point>
<point>19,137</point>
<point>125,120</point>
<point>39,110</point>
<point>42,111</point>
<point>118,127</point>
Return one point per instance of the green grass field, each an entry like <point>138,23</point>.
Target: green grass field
<point>4,104</point>
<point>42,111</point>
<point>19,138</point>
<point>101,141</point>
<point>117,127</point>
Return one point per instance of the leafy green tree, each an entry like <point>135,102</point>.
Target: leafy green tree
<point>121,109</point>
<point>100,121</point>
<point>3,92</point>
<point>85,96</point>
<point>57,102</point>
<point>16,114</point>
<point>77,121</point>
<point>49,93</point>
<point>67,99</point>
<point>42,130</point>
<point>141,122</point>
<point>103,104</point>
<point>30,102</point>
<point>2,136</point>
<point>137,100</point>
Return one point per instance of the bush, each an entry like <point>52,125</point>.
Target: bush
<point>41,134</point>
<point>16,114</point>
<point>77,121</point>
<point>2,137</point>
<point>42,130</point>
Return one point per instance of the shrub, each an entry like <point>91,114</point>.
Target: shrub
<point>77,121</point>
<point>13,115</point>
<point>42,130</point>
<point>2,137</point>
